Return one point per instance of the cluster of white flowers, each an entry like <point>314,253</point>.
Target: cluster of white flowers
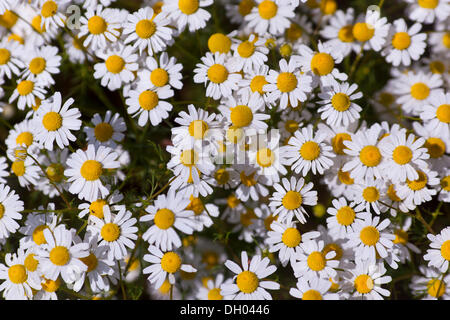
<point>285,133</point>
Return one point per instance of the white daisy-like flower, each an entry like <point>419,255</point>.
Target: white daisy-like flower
<point>371,30</point>
<point>23,134</point>
<point>147,31</point>
<point>370,237</point>
<point>95,208</point>
<point>27,92</point>
<point>164,265</point>
<point>116,231</point>
<point>404,44</point>
<point>402,242</point>
<point>288,86</point>
<point>100,26</point>
<point>211,290</point>
<point>118,67</point>
<point>10,207</point>
<point>75,49</point>
<point>27,171</point>
<point>188,13</point>
<point>439,254</point>
<point>313,289</point>
<point>436,144</point>
<point>148,104</point>
<point>53,13</point>
<point>168,213</point>
<point>60,256</point>
<point>254,81</point>
<point>287,239</point>
<point>159,74</point>
<point>249,54</point>
<point>365,281</point>
<point>270,16</point>
<point>290,198</point>
<point>18,283</point>
<point>338,107</point>
<point>218,74</point>
<point>55,121</point>
<point>106,131</point>
<point>436,114</point>
<point>203,212</point>
<point>289,123</point>
<point>343,217</point>
<point>430,284</point>
<point>428,11</point>
<point>307,151</point>
<point>251,183</point>
<point>312,262</point>
<point>35,224</point>
<point>247,223</point>
<point>86,168</point>
<point>10,60</point>
<point>250,279</point>
<point>369,195</point>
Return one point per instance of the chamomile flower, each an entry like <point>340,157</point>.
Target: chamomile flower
<point>370,237</point>
<point>402,242</point>
<point>187,13</point>
<point>406,44</point>
<point>168,213</point>
<point>254,81</point>
<point>118,67</point>
<point>107,131</point>
<point>164,266</point>
<point>290,198</point>
<point>41,64</point>
<point>342,218</point>
<point>247,223</point>
<point>211,290</point>
<point>369,195</point>
<point>252,184</point>
<point>436,114</point>
<point>10,61</point>
<point>218,74</point>
<point>23,134</point>
<point>116,230</point>
<point>10,207</point>
<point>339,108</point>
<point>307,151</point>
<point>415,192</point>
<point>431,284</point>
<point>439,254</point>
<point>270,16</point>
<point>249,54</point>
<point>250,279</point>
<point>27,92</point>
<point>203,212</point>
<point>159,74</point>
<point>95,208</point>
<point>147,31</point>
<point>371,30</point>
<point>428,11</point>
<point>34,226</point>
<point>55,121</point>
<point>86,169</point>
<point>27,171</point>
<point>148,104</point>
<point>289,85</point>
<point>313,289</point>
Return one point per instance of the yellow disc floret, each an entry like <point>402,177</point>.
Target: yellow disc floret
<point>322,63</point>
<point>292,200</point>
<point>369,235</point>
<point>59,255</point>
<point>170,262</point>
<point>164,218</point>
<point>247,281</point>
<point>110,232</point>
<point>91,170</point>
<point>291,237</point>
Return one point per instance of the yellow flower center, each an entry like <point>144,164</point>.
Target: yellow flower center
<point>310,150</point>
<point>286,82</point>
<point>436,288</point>
<point>265,157</point>
<point>165,287</point>
<point>218,42</point>
<point>436,147</point>
<point>2,210</point>
<point>294,32</point>
<point>401,40</point>
<point>428,4</point>
<point>340,101</point>
<point>25,87</point>
<point>18,167</point>
<point>445,250</point>
<point>188,6</point>
<point>50,285</point>
<point>333,247</point>
<point>420,91</point>
<point>246,49</point>
<point>248,180</point>
<point>247,281</point>
<point>401,236</point>
<point>115,64</point>
<point>103,131</point>
<point>25,138</point>
<point>247,217</point>
<point>392,194</point>
<point>159,77</point>
<point>96,208</point>
<point>164,218</point>
<point>402,155</point>
<point>437,67</point>
<point>52,121</point>
<point>148,100</point>
<point>189,157</point>
<point>55,172</point>
<point>170,262</point>
<point>316,261</point>
<point>363,31</point>
<point>291,126</point>
<point>446,40</point>
<point>286,50</point>
<point>328,7</point>
<point>370,156</point>
<point>36,24</point>
<point>241,116</point>
<point>110,232</point>
<point>97,25</point>
<point>345,216</point>
<point>210,258</point>
<point>337,142</point>
<point>345,178</point>
<point>145,28</point>
<point>198,128</point>
<point>91,170</point>
<point>90,261</point>
<point>245,7</point>
<point>322,64</point>
<point>8,19</point>
<point>217,73</point>
<point>369,235</point>
<point>49,9</point>
<point>312,295</point>
<point>443,113</point>
<point>233,201</point>
<point>5,55</point>
<point>214,294</point>
<point>59,255</point>
<point>345,34</point>
<point>37,104</point>
<point>363,283</point>
<point>257,84</point>
<point>222,176</point>
<point>31,263</point>
<point>267,9</point>
<point>17,274</point>
<point>419,183</point>
<point>38,234</point>
<point>371,194</point>
<point>292,200</point>
<point>445,183</point>
<point>291,237</point>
